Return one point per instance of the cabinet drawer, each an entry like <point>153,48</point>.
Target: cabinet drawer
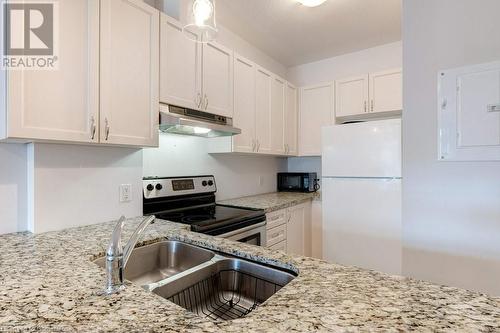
<point>281,246</point>
<point>276,218</point>
<point>276,235</point>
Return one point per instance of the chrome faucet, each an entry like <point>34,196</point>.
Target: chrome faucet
<point>117,256</point>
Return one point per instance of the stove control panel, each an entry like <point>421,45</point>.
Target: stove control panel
<point>156,187</point>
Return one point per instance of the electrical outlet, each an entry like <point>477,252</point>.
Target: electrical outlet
<point>125,193</point>
<point>261,181</point>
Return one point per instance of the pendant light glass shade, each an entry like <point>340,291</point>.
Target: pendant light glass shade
<point>200,21</point>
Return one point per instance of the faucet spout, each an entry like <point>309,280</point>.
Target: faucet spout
<point>117,256</point>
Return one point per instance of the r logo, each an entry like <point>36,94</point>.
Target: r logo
<point>29,29</point>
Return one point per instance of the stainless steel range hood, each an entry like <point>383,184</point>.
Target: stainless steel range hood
<point>177,120</point>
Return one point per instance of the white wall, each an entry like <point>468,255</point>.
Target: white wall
<point>451,210</point>
<point>13,188</point>
<point>374,59</point>
<point>236,175</point>
<point>79,185</point>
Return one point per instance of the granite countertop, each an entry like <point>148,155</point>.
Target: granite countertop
<point>48,283</point>
<point>271,202</point>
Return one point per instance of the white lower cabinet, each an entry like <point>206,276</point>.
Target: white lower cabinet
<point>289,230</point>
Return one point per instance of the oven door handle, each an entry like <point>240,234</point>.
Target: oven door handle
<point>243,230</point>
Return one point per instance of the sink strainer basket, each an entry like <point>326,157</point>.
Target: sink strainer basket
<point>226,295</point>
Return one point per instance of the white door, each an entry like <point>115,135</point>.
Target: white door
<point>217,79</point>
<point>244,104</point>
<point>129,73</point>
<point>263,110</point>
<point>386,91</point>
<point>278,116</point>
<point>180,66</point>
<point>362,223</point>
<point>297,230</point>
<point>351,96</point>
<point>316,111</point>
<point>61,104</point>
<point>291,119</point>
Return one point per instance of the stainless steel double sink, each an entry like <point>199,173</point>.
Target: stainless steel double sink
<point>202,281</point>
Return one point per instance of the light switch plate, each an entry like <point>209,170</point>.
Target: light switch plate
<point>125,193</point>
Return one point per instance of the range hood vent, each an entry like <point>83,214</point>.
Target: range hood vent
<point>177,120</point>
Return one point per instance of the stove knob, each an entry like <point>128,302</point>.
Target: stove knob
<point>204,183</point>
<point>159,187</point>
<point>150,187</point>
<point>210,183</point>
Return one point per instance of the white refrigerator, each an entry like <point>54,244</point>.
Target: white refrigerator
<point>361,181</point>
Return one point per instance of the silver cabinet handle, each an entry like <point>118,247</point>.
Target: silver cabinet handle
<point>253,145</point>
<point>206,102</point>
<point>198,100</point>
<point>92,128</point>
<point>258,145</point>
<point>366,106</point>
<point>106,129</point>
<point>372,105</point>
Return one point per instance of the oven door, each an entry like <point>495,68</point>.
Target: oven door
<point>254,234</point>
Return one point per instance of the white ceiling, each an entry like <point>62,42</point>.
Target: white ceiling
<point>293,34</point>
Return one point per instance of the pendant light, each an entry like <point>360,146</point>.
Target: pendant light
<point>200,26</point>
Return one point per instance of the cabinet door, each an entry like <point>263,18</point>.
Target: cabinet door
<point>291,119</point>
<point>316,111</point>
<point>217,79</point>
<point>180,66</point>
<point>278,116</point>
<point>263,85</point>
<point>129,73</point>
<point>61,104</point>
<point>351,96</point>
<point>244,104</point>
<point>386,91</point>
<point>297,232</point>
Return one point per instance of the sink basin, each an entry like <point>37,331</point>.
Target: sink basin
<point>209,284</point>
<point>159,261</point>
<point>225,290</point>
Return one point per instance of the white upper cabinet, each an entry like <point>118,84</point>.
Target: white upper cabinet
<point>63,104</point>
<point>386,91</point>
<point>244,104</point>
<point>278,116</point>
<point>217,79</point>
<point>291,120</point>
<point>351,96</point>
<point>263,86</point>
<point>193,75</point>
<point>316,111</point>
<point>129,73</point>
<point>369,96</point>
<point>180,74</point>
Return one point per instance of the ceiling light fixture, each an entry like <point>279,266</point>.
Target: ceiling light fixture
<point>201,26</point>
<point>311,3</point>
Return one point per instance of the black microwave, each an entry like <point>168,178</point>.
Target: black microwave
<point>297,182</point>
